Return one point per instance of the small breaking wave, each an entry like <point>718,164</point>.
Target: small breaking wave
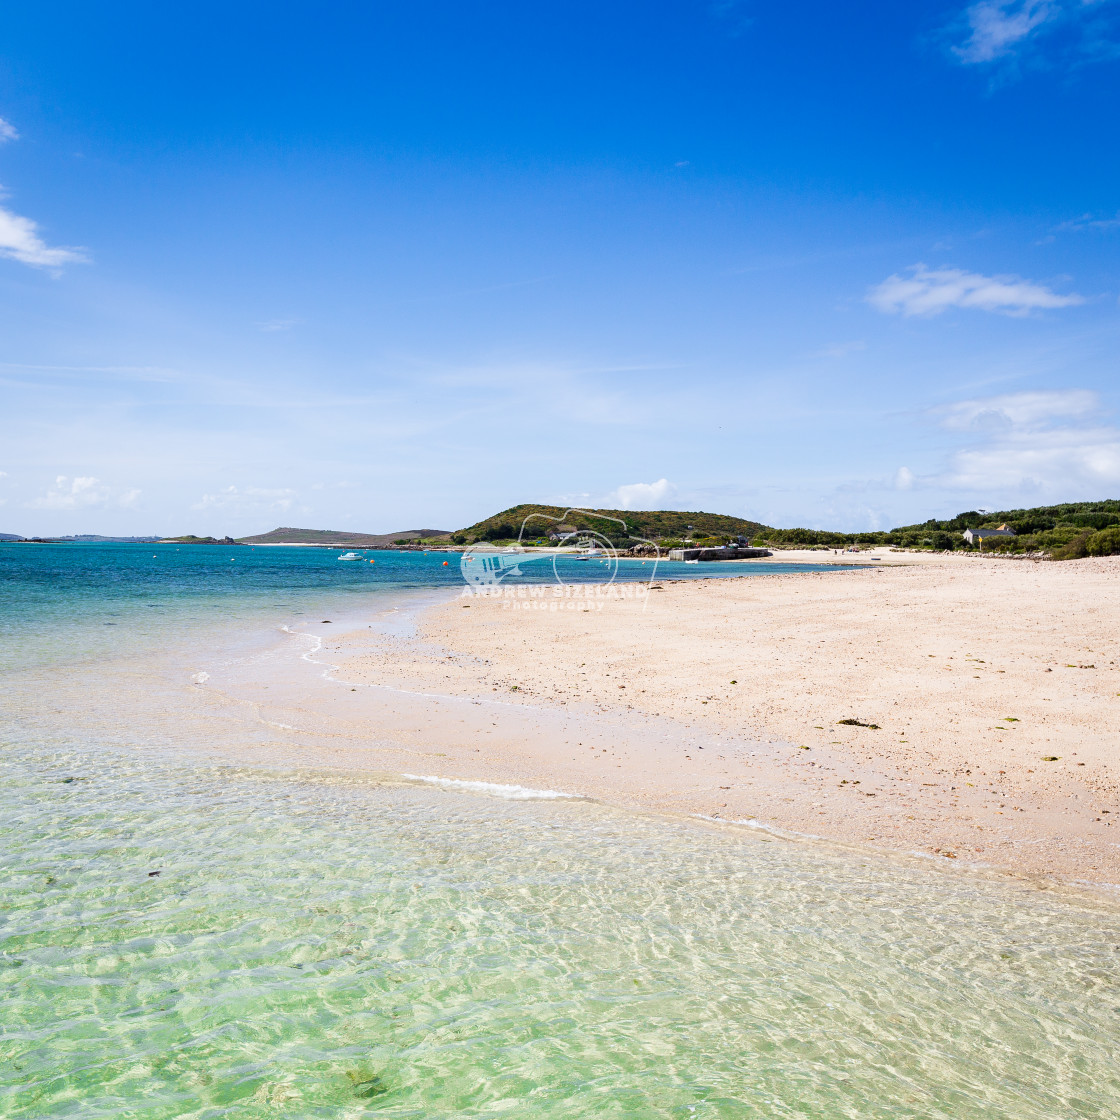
<point>760,826</point>
<point>509,793</point>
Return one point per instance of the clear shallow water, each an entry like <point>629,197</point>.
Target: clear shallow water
<point>325,946</point>
<point>329,947</point>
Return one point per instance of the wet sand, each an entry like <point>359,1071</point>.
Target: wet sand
<point>724,697</point>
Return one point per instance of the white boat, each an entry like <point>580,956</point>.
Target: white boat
<point>349,556</point>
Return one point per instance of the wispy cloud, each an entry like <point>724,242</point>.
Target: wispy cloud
<point>20,241</point>
<point>248,498</point>
<point>83,492</point>
<point>271,325</point>
<point>644,495</point>
<point>19,236</point>
<point>1046,441</point>
<point>117,373</point>
<point>997,27</point>
<point>1063,461</point>
<point>1022,411</point>
<point>930,291</point>
<point>997,30</point>
<point>1088,221</point>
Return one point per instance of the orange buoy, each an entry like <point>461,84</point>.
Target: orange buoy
<point>445,563</point>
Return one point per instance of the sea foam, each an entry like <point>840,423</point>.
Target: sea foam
<point>510,793</point>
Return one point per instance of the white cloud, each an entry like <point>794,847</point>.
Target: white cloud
<point>20,241</point>
<point>930,291</point>
<point>271,325</point>
<point>19,236</point>
<point>1034,442</point>
<point>643,495</point>
<point>1062,460</point>
<point>1087,221</point>
<point>999,30</point>
<point>247,498</point>
<point>997,26</point>
<point>82,492</point>
<point>1019,410</point>
<point>904,479</point>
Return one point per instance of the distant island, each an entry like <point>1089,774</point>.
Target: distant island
<point>190,538</point>
<point>82,538</point>
<point>335,538</point>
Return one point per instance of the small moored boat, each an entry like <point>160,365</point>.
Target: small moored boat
<point>349,556</point>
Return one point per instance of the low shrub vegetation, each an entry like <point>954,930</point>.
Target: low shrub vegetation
<point>1062,532</point>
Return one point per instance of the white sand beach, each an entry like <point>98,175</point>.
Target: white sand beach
<point>993,685</point>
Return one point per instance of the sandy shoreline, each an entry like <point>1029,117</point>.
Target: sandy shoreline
<point>974,669</point>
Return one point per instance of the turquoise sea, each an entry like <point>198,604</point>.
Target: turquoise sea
<point>191,931</point>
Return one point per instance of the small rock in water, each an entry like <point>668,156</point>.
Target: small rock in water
<point>366,1087</point>
<point>152,874</point>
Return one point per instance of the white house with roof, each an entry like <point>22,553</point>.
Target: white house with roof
<point>979,536</point>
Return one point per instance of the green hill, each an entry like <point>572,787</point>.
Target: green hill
<point>334,538</point>
<point>654,525</point>
<point>1065,531</point>
<point>1062,531</point>
<point>1088,515</point>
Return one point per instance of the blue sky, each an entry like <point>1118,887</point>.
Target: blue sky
<point>377,265</point>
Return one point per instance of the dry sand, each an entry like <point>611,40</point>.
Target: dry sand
<point>703,697</point>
